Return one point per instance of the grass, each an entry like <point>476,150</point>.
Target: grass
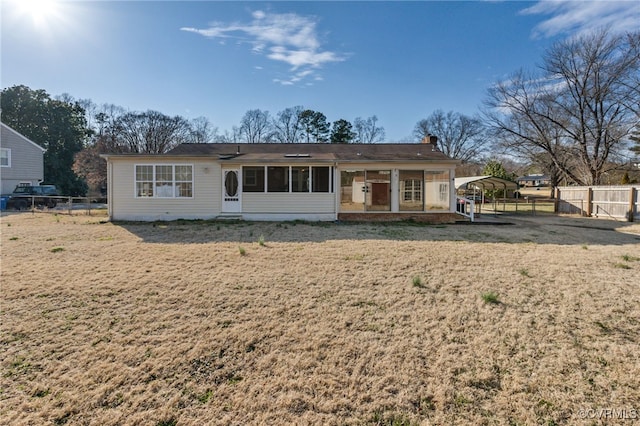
<point>324,327</point>
<point>57,249</point>
<point>380,418</point>
<point>524,272</point>
<point>621,266</point>
<point>417,282</point>
<point>242,251</point>
<point>261,241</point>
<point>522,207</point>
<point>491,297</point>
<point>205,397</point>
<point>628,258</point>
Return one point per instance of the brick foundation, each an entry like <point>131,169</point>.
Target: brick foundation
<point>398,217</point>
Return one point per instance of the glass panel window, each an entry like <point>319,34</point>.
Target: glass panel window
<point>352,190</point>
<point>144,181</point>
<point>5,157</point>
<point>184,181</point>
<point>277,179</point>
<point>411,184</point>
<point>164,180</point>
<point>436,186</point>
<point>184,173</point>
<point>300,179</point>
<point>321,179</point>
<point>253,179</point>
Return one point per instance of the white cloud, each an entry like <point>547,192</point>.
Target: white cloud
<point>575,17</point>
<point>288,38</point>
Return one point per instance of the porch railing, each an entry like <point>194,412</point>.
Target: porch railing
<point>466,207</point>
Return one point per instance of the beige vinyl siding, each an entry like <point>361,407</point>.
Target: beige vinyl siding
<point>292,202</point>
<point>289,202</point>
<point>205,203</point>
<point>27,161</point>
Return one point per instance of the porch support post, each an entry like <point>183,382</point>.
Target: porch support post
<point>632,204</point>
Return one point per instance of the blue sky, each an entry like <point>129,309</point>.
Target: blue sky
<point>399,61</point>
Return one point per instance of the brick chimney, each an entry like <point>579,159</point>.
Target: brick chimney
<point>430,139</point>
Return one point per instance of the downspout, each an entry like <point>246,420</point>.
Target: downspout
<point>110,189</point>
<point>337,190</point>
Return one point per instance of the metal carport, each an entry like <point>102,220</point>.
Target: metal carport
<point>484,183</point>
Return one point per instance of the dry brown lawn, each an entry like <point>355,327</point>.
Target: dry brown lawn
<point>169,324</point>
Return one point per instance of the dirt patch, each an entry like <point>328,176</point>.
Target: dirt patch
<point>275,323</point>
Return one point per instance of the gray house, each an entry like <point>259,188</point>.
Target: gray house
<point>21,160</point>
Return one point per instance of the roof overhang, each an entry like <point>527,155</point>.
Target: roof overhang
<point>267,158</point>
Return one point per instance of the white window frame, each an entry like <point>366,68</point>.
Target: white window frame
<point>7,156</point>
<point>174,189</point>
<point>412,188</point>
<point>246,177</point>
<point>331,188</point>
<point>443,192</point>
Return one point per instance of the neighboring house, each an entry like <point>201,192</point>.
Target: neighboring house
<point>21,160</point>
<point>284,182</point>
<point>534,180</point>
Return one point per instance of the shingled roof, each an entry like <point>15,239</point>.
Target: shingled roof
<point>281,152</point>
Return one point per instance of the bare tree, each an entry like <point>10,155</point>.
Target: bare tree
<point>367,131</point>
<point>202,131</point>
<point>255,126</point>
<point>578,111</point>
<point>232,136</point>
<point>287,128</point>
<point>459,136</point>
<point>150,132</point>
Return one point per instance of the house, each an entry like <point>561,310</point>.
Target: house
<point>21,160</point>
<point>318,182</point>
<point>534,180</point>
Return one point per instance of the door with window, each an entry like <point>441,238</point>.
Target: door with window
<point>231,201</point>
<point>377,190</point>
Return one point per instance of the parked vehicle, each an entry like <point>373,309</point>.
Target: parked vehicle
<point>24,196</point>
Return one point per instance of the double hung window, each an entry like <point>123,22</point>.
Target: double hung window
<point>164,180</point>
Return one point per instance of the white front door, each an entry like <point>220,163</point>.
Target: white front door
<point>231,191</point>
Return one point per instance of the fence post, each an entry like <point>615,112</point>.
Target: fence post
<point>632,204</point>
<point>589,201</point>
<point>556,202</point>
